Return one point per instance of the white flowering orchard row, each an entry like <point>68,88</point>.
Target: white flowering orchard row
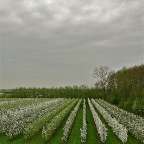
<point>99,125</point>
<point>117,128</point>
<point>8,110</point>
<point>50,128</point>
<point>10,100</point>
<point>7,99</point>
<point>69,122</point>
<point>18,104</point>
<point>134,123</point>
<point>36,126</point>
<point>84,127</point>
<point>13,122</point>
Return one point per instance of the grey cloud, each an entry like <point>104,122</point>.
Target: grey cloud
<point>53,43</point>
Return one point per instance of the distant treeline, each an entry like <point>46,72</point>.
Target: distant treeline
<point>124,88</point>
<point>54,92</point>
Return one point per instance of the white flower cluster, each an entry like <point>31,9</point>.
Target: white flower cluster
<point>14,104</point>
<point>99,125</point>
<point>7,109</point>
<point>13,121</point>
<point>50,129</point>
<point>84,128</point>
<point>134,123</point>
<point>10,100</point>
<point>117,128</point>
<point>69,122</point>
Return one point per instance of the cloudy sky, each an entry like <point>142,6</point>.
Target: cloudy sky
<point>46,43</point>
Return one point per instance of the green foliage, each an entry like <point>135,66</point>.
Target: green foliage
<point>128,105</point>
<point>126,89</point>
<point>115,100</point>
<point>138,106</point>
<point>63,92</point>
<point>50,129</point>
<point>33,128</point>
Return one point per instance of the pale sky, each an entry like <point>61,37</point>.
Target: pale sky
<point>45,43</point>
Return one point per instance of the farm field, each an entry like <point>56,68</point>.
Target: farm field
<point>67,121</point>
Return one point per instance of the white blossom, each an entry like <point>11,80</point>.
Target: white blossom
<point>84,128</point>
<point>13,121</point>
<point>117,128</point>
<point>134,123</point>
<point>69,122</point>
<point>99,125</point>
<point>50,128</point>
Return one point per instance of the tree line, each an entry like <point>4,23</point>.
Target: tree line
<point>53,92</point>
<point>124,87</point>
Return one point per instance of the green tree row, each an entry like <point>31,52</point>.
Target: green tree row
<point>126,88</point>
<point>54,92</point>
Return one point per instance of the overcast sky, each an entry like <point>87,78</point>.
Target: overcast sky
<point>46,43</point>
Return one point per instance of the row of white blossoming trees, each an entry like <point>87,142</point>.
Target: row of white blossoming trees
<point>30,117</point>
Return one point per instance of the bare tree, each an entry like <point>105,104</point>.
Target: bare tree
<point>102,75</point>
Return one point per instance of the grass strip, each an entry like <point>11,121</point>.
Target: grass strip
<point>74,137</point>
<point>92,134</point>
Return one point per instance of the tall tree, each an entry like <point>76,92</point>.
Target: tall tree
<point>102,75</point>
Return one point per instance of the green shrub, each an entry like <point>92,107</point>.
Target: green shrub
<point>128,105</point>
<point>115,100</point>
<point>138,106</point>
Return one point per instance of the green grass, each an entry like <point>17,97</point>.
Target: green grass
<point>6,140</point>
<point>74,137</point>
<point>92,134</point>
<point>21,140</point>
<point>57,138</point>
<point>132,140</point>
<point>37,140</point>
